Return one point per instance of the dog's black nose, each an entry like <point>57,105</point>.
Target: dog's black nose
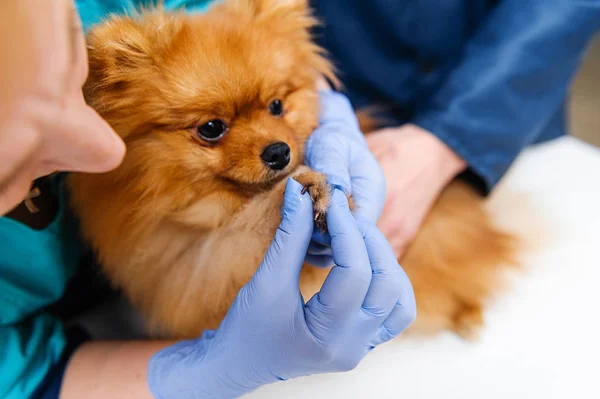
<point>276,156</point>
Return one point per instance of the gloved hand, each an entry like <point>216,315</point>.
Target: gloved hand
<point>338,149</point>
<point>269,334</point>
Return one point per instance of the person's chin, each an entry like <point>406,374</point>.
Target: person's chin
<point>13,193</point>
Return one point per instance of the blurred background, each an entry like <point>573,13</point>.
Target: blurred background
<point>585,99</point>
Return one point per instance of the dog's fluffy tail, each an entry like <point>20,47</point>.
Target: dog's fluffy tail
<point>457,262</point>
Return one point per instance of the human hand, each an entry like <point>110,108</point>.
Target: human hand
<point>45,125</point>
<point>338,149</point>
<point>417,166</point>
<point>269,334</point>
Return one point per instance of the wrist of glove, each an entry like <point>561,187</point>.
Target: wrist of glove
<point>270,334</point>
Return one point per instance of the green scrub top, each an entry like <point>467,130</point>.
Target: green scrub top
<point>93,11</point>
<point>35,266</point>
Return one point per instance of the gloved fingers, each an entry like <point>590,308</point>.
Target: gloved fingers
<point>388,279</point>
<point>336,108</point>
<point>328,149</point>
<point>348,281</point>
<point>368,186</point>
<point>285,257</point>
<point>329,153</point>
<point>397,322</point>
<point>402,316</point>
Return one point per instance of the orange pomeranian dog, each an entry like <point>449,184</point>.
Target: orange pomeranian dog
<point>203,103</point>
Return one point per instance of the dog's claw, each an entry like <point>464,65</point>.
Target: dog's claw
<point>305,189</point>
<point>317,215</point>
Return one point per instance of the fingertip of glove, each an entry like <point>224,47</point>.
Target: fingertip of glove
<point>292,186</point>
<point>294,201</point>
<point>337,183</point>
<point>367,228</point>
<point>364,222</point>
<point>335,97</point>
<point>339,199</point>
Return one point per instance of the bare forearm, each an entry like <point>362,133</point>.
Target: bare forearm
<point>110,370</point>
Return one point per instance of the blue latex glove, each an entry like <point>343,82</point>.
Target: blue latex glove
<point>269,334</point>
<point>338,149</point>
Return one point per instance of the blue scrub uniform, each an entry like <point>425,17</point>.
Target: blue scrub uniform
<point>487,77</point>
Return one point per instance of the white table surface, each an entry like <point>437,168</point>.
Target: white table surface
<point>542,337</point>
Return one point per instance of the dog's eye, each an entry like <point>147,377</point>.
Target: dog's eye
<point>213,130</point>
<point>276,108</point>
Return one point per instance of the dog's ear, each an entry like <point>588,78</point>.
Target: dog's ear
<point>286,16</point>
<point>125,47</point>
<point>118,44</point>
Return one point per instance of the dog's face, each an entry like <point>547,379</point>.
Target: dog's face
<point>229,95</point>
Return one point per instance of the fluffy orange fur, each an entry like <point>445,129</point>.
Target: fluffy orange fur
<point>183,223</point>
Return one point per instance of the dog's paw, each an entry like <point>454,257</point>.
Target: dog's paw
<point>315,183</point>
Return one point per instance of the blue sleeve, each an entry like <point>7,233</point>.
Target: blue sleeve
<point>512,80</point>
